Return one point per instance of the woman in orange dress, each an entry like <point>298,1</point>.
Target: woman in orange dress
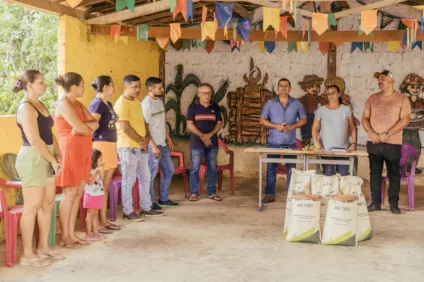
<point>75,126</point>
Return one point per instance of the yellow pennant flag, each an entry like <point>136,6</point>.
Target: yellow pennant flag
<point>305,46</point>
<point>162,42</point>
<point>208,30</point>
<point>261,46</point>
<point>271,17</point>
<point>393,45</point>
<point>298,46</point>
<point>124,39</point>
<point>368,21</point>
<point>226,32</point>
<point>320,22</point>
<point>175,31</point>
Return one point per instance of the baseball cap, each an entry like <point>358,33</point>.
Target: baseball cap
<point>386,73</point>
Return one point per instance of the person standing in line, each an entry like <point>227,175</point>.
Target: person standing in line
<point>281,115</point>
<point>75,126</point>
<point>204,122</point>
<point>159,151</point>
<point>133,141</point>
<point>385,115</point>
<point>37,164</point>
<point>104,139</point>
<point>332,126</point>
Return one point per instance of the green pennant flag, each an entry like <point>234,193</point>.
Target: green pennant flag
<point>142,32</point>
<point>295,13</point>
<point>360,31</point>
<point>234,31</point>
<point>368,46</point>
<point>121,4</point>
<point>186,44</point>
<point>292,47</point>
<point>332,20</point>
<point>172,4</point>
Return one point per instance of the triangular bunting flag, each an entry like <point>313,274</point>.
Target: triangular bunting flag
<point>180,7</point>
<point>73,3</point>
<point>298,46</point>
<point>385,21</point>
<point>190,10</point>
<point>295,13</point>
<point>324,47</point>
<point>261,46</point>
<point>186,44</point>
<point>271,17</point>
<point>418,44</point>
<point>124,39</point>
<point>404,41</point>
<point>292,46</point>
<point>393,45</point>
<point>204,13</point>
<point>177,45</point>
<point>368,21</point>
<point>332,20</point>
<point>121,4</point>
<point>234,45</point>
<point>413,25</point>
<point>269,46</point>
<point>304,46</point>
<point>209,46</point>
<point>368,46</point>
<point>143,32</point>
<point>421,25</point>
<point>283,26</point>
<point>162,42</point>
<point>115,31</point>
<point>208,30</point>
<point>359,45</point>
<point>234,31</point>
<point>223,12</point>
<point>319,22</point>
<point>243,29</point>
<point>172,4</point>
<point>175,31</point>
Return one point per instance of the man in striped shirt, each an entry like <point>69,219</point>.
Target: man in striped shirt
<point>204,122</point>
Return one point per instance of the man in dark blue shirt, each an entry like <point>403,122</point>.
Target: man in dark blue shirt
<point>282,115</point>
<point>204,122</point>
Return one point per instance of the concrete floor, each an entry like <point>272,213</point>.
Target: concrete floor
<point>232,241</point>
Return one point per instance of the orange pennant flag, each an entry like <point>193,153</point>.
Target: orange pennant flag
<point>115,31</point>
<point>283,26</point>
<point>180,7</point>
<point>411,24</point>
<point>324,47</point>
<point>320,22</point>
<point>209,46</point>
<point>162,42</point>
<point>204,14</point>
<point>175,31</point>
<point>368,21</point>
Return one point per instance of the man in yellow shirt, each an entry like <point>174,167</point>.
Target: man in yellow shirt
<point>133,141</point>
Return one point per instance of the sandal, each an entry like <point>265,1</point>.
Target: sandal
<point>82,242</point>
<point>92,237</point>
<point>113,227</point>
<point>192,198</point>
<point>37,261</point>
<point>70,246</point>
<point>51,255</point>
<point>215,197</point>
<point>105,231</point>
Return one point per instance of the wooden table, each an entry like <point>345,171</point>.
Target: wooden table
<point>305,161</point>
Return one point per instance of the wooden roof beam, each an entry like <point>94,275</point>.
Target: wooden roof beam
<point>50,7</point>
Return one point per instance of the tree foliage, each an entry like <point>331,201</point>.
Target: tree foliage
<point>28,40</point>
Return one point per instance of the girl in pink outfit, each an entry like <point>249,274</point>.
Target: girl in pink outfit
<point>93,198</point>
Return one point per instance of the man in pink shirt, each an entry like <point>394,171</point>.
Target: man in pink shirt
<point>385,115</point>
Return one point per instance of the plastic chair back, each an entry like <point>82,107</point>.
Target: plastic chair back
<point>8,163</point>
<point>408,151</point>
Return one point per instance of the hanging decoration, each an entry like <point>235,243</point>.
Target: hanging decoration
<point>368,21</point>
<point>162,42</point>
<point>177,45</point>
<point>295,13</point>
<point>121,4</point>
<point>332,21</point>
<point>393,45</point>
<point>284,4</point>
<point>368,46</point>
<point>404,41</point>
<point>180,7</point>
<point>234,31</point>
<point>209,46</point>
<point>283,26</point>
<point>413,26</point>
<point>243,29</point>
<point>142,32</point>
<point>261,46</point>
<point>292,46</point>
<point>269,46</point>
<point>421,25</point>
<point>291,7</point>
<point>324,47</point>
<point>235,45</point>
<point>208,30</point>
<point>299,25</point>
<point>123,39</point>
<point>204,13</point>
<point>224,13</point>
<point>418,44</point>
<point>73,3</point>
<point>115,31</point>
<point>357,45</point>
<point>320,22</point>
<point>198,44</point>
<point>302,45</point>
<point>186,44</point>
<point>175,31</point>
<point>172,4</point>
<point>271,17</point>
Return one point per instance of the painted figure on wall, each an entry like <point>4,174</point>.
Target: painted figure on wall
<point>412,86</point>
<point>311,84</point>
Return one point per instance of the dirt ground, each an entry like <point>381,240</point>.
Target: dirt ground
<point>232,241</point>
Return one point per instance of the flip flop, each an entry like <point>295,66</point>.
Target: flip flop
<point>82,242</point>
<point>70,246</point>
<point>215,198</point>
<point>105,231</point>
<point>52,255</point>
<point>35,262</point>
<point>192,198</point>
<point>113,227</point>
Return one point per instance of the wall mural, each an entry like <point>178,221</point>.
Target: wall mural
<point>245,108</point>
<point>179,129</point>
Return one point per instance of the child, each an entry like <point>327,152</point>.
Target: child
<point>93,198</point>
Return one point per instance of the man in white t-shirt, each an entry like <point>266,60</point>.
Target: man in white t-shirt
<point>159,150</point>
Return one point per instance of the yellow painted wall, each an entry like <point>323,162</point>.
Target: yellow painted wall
<point>94,55</point>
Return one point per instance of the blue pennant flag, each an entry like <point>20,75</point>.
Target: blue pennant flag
<point>421,25</point>
<point>404,37</point>
<point>359,45</point>
<point>190,10</point>
<point>417,43</point>
<point>223,13</point>
<point>243,29</point>
<point>269,46</point>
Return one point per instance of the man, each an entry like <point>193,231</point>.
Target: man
<point>282,115</point>
<point>133,140</point>
<point>204,122</point>
<point>159,152</point>
<point>385,115</point>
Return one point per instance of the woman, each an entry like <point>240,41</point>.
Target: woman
<point>75,126</point>
<point>334,122</point>
<point>37,163</point>
<point>104,138</point>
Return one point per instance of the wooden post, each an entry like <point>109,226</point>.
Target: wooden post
<point>162,69</point>
<point>332,58</point>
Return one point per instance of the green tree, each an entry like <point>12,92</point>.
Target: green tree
<point>28,40</point>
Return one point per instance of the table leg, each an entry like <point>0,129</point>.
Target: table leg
<point>260,182</point>
<point>305,162</point>
<point>352,163</point>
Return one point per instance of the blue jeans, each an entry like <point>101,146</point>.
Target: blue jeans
<point>195,161</point>
<point>328,169</point>
<point>271,169</point>
<point>166,166</point>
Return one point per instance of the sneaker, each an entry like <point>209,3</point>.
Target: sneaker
<point>156,207</point>
<point>132,217</point>
<point>395,209</point>
<point>268,199</point>
<point>168,203</point>
<point>152,213</point>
